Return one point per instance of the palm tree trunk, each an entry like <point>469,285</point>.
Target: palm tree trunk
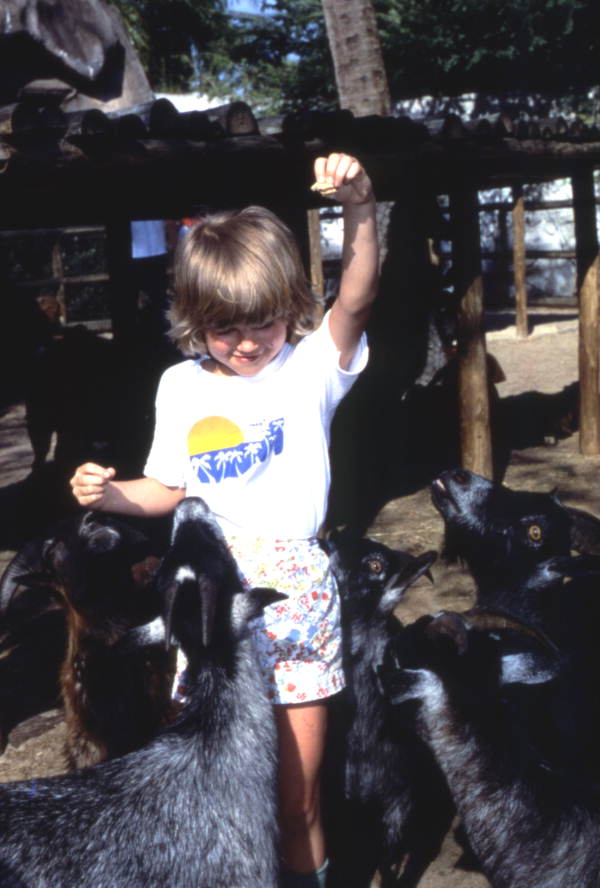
<point>360,76</point>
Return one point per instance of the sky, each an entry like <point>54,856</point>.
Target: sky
<point>244,5</point>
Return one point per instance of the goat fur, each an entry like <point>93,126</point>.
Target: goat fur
<point>116,695</point>
<point>197,805</point>
<point>385,801</point>
<point>531,822</point>
<point>504,536</point>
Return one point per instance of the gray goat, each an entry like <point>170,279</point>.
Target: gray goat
<point>530,819</point>
<point>197,805</point>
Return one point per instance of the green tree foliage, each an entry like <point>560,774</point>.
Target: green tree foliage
<point>276,60</point>
<point>283,54</point>
<point>179,42</point>
<point>448,47</point>
<point>540,51</point>
<point>525,50</point>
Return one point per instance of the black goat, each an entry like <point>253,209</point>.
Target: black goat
<point>517,546</point>
<point>116,693</point>
<point>385,801</point>
<point>32,640</point>
<point>530,820</point>
<point>503,535</point>
<point>32,648</point>
<point>197,806</point>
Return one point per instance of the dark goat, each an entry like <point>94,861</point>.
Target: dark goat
<point>385,801</point>
<point>116,694</point>
<point>503,536</point>
<point>517,546</point>
<point>197,805</point>
<point>32,640</point>
<point>530,820</point>
<point>32,648</point>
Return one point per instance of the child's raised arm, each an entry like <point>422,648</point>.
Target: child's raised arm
<point>351,186</point>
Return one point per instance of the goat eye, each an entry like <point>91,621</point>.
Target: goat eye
<point>375,566</point>
<point>535,532</point>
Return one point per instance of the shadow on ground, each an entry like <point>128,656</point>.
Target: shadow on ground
<point>387,444</point>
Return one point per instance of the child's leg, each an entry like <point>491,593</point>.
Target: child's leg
<point>301,730</point>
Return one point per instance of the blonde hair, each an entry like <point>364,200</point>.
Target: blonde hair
<point>238,267</point>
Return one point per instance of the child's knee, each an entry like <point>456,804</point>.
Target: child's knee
<point>300,814</point>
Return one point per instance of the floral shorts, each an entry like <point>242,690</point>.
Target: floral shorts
<point>298,640</point>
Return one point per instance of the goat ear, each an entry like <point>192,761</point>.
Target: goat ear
<point>585,531</point>
<point>526,667</point>
<point>251,603</point>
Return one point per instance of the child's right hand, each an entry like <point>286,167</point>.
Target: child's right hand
<point>342,178</point>
<point>89,484</point>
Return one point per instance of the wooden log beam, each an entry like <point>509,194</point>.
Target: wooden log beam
<point>473,393</point>
<point>519,269</point>
<point>588,263</point>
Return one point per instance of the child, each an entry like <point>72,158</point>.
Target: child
<point>246,427</point>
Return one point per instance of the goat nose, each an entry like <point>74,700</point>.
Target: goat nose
<point>462,476</point>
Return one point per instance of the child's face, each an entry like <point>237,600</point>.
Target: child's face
<point>245,349</point>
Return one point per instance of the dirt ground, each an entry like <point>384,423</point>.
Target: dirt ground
<point>545,362</point>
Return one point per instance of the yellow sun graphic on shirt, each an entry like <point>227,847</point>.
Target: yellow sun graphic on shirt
<point>213,433</point>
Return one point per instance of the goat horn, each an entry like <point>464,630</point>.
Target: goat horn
<point>479,618</point>
<point>452,625</point>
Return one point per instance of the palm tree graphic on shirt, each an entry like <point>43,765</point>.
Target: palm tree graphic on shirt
<point>218,451</point>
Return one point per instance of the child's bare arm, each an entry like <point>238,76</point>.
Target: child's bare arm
<point>93,487</point>
<point>360,252</point>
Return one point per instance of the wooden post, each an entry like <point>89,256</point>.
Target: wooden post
<point>519,267</point>
<point>473,396</point>
<point>316,259</point>
<point>588,260</point>
<point>503,273</point>
<point>58,273</point>
<point>122,302</point>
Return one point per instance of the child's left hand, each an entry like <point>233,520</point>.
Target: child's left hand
<point>343,179</point>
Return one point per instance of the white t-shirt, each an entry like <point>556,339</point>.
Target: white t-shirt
<point>256,449</point>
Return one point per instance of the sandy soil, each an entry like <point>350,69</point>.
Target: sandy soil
<point>545,362</point>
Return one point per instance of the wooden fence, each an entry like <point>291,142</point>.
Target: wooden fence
<point>510,256</point>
